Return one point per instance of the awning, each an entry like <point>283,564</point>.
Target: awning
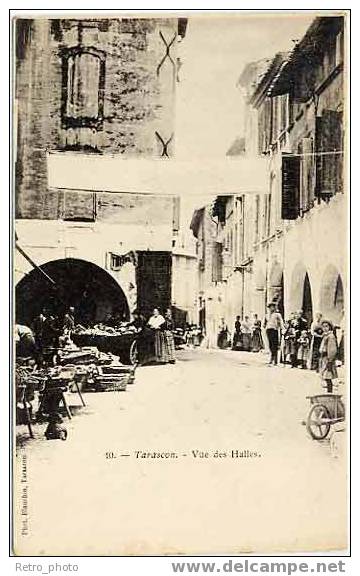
<point>75,171</point>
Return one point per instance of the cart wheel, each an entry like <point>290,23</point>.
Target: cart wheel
<point>315,425</point>
<point>341,409</point>
<point>134,355</point>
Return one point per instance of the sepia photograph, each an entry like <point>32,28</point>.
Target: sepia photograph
<point>180,199</point>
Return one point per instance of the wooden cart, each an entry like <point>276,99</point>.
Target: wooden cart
<point>326,410</point>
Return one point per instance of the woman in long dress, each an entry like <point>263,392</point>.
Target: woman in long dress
<point>156,323</point>
<point>237,335</point>
<point>257,342</point>
<point>169,338</point>
<point>223,335</point>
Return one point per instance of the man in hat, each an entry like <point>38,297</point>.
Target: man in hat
<point>274,325</point>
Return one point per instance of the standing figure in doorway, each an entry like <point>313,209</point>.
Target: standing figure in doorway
<point>316,337</point>
<point>246,330</point>
<point>257,341</point>
<point>39,330</point>
<point>300,324</point>
<point>274,325</point>
<point>328,354</point>
<point>303,348</point>
<point>237,340</point>
<point>156,323</point>
<point>223,335</point>
<point>169,337</point>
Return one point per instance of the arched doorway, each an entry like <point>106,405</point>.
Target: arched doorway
<point>301,292</point>
<point>307,306</point>
<point>94,293</point>
<point>332,299</point>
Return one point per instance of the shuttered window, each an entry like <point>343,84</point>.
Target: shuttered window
<point>306,150</point>
<point>275,117</point>
<point>290,187</point>
<point>83,87</point>
<point>217,262</point>
<point>265,126</point>
<point>329,164</point>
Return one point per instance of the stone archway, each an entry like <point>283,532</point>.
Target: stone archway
<point>93,292</point>
<point>307,305</point>
<point>301,292</point>
<point>297,287</point>
<point>332,298</point>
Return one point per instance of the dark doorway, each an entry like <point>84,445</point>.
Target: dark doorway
<point>307,300</point>
<point>339,296</point>
<point>92,291</point>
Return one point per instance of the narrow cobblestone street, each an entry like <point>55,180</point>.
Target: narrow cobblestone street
<point>245,415</point>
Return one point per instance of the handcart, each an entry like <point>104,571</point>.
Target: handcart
<point>326,410</point>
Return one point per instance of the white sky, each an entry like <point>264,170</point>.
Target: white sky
<point>214,52</point>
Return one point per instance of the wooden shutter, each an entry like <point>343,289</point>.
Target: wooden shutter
<point>153,280</point>
<point>307,173</point>
<point>328,164</point>
<point>217,275</point>
<point>290,187</point>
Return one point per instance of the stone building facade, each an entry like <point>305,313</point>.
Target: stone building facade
<point>95,87</point>
<point>299,258</point>
<point>288,243</point>
<point>184,282</point>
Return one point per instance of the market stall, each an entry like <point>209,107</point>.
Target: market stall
<point>116,342</point>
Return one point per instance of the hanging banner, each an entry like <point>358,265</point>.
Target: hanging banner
<point>247,175</point>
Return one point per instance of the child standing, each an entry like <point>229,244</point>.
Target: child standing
<point>303,348</point>
<point>328,353</point>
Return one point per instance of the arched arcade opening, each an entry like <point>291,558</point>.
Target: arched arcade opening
<point>276,287</point>
<point>332,299</point>
<point>93,292</point>
<point>301,292</point>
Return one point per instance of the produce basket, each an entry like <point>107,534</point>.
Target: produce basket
<point>113,378</point>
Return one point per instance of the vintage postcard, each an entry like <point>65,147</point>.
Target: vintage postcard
<point>180,199</point>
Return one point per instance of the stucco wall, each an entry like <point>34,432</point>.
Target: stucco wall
<point>139,96</point>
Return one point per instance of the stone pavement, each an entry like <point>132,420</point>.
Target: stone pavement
<point>207,455</point>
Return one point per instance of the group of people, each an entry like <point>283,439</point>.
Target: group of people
<point>316,347</point>
<point>159,331</point>
<point>45,333</point>
<point>193,335</point>
<point>247,335</point>
<point>155,341</point>
<point>48,332</point>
